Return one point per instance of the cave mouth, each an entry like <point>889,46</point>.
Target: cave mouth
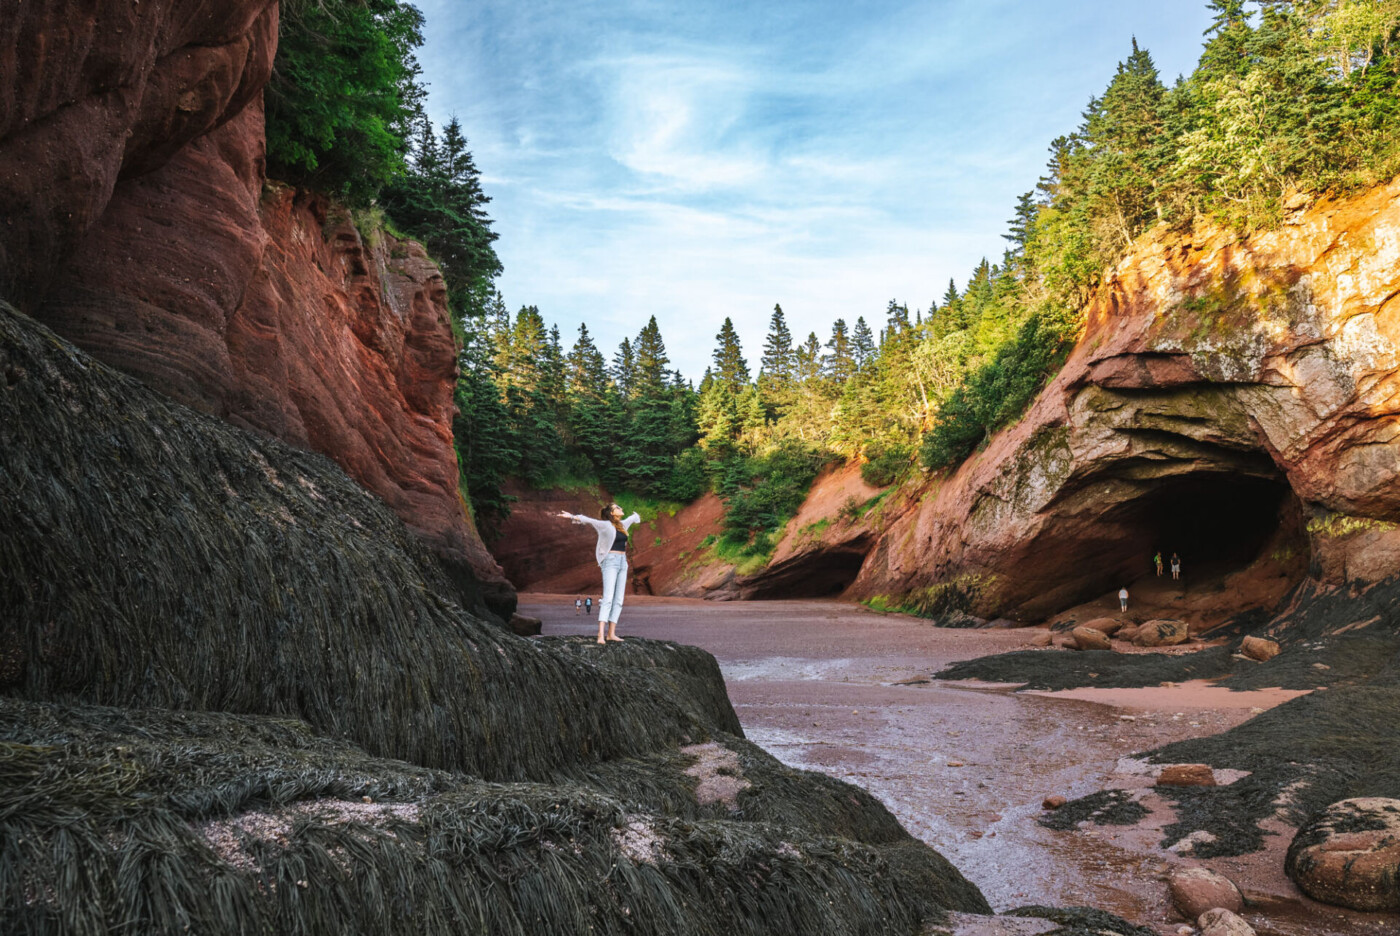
<point>1217,524</point>
<point>817,574</point>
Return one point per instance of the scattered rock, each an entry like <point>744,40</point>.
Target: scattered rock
<point>1196,890</point>
<point>1087,638</point>
<point>1054,801</point>
<point>1127,632</point>
<point>1042,639</point>
<point>1259,648</point>
<point>1186,775</point>
<point>1349,854</point>
<point>1187,845</point>
<point>1221,922</point>
<point>1107,625</point>
<point>1161,633</point>
<point>955,763</point>
<point>525,626</point>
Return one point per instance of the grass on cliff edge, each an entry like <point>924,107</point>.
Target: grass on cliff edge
<point>214,823</point>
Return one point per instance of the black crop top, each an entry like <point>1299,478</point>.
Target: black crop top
<point>619,542</point>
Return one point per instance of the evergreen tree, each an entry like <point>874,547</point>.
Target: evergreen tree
<point>487,447</point>
<point>862,345</point>
<point>440,203</point>
<point>809,359</point>
<point>779,359</point>
<point>730,367</point>
<point>839,363</point>
<point>624,369</point>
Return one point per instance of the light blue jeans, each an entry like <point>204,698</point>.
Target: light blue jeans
<point>614,584</point>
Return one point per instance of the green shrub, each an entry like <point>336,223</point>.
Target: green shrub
<point>885,463</point>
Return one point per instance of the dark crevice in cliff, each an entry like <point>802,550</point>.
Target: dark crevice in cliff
<point>820,573</point>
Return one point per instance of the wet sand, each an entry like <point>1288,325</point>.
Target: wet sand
<point>838,688</point>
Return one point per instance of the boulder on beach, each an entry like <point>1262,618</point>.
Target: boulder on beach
<point>1260,648</point>
<point>1349,854</point>
<point>1087,638</point>
<point>1161,633</point>
<point>1043,638</point>
<point>523,625</point>
<point>1196,890</point>
<point>1053,801</point>
<point>1107,625</point>
<point>1186,775</point>
<point>1221,922</point>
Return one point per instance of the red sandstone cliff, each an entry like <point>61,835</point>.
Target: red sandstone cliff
<point>140,225</point>
<point>1225,391</point>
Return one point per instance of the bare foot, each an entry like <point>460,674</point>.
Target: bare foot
<point>617,639</point>
<point>600,640</point>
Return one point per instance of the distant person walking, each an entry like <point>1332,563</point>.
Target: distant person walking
<point>1123,600</point>
<point>578,605</point>
<point>1176,567</point>
<point>1158,560</point>
<point>588,604</point>
<point>611,553</point>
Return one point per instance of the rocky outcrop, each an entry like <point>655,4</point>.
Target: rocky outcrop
<point>1231,398</point>
<point>143,228</point>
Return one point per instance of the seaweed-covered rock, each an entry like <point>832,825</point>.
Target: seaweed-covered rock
<point>1161,633</point>
<point>1222,922</point>
<point>1196,890</point>
<point>1349,855</point>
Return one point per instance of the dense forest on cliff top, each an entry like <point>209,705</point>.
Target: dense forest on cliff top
<point>1287,99</point>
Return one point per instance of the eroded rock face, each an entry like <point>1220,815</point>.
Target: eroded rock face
<point>140,226</point>
<point>92,93</point>
<point>1226,394</point>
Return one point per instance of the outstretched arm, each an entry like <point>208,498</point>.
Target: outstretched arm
<point>579,518</point>
<point>635,518</point>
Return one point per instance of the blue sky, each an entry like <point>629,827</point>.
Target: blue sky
<point>696,160</point>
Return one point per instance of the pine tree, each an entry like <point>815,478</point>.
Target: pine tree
<point>730,367</point>
<point>862,345</point>
<point>779,359</point>
<point>839,364</point>
<point>624,369</point>
<point>487,449</point>
<point>809,359</point>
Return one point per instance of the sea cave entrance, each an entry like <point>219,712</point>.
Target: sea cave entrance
<point>1217,524</point>
<point>1240,535</point>
<point>823,573</point>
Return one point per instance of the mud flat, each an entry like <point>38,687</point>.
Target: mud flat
<point>965,766</point>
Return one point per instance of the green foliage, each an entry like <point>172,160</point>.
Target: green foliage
<point>439,202</point>
<point>763,492</point>
<point>885,462</point>
<point>343,93</point>
<point>998,392</point>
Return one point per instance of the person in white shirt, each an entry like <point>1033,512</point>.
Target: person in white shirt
<point>611,554</point>
<point>1123,599</point>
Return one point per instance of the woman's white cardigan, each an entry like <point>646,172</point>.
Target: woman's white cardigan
<point>606,531</point>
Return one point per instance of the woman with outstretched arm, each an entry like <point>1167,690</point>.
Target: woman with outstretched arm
<point>612,559</point>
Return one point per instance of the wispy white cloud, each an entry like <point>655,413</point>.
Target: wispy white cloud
<point>698,161</point>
